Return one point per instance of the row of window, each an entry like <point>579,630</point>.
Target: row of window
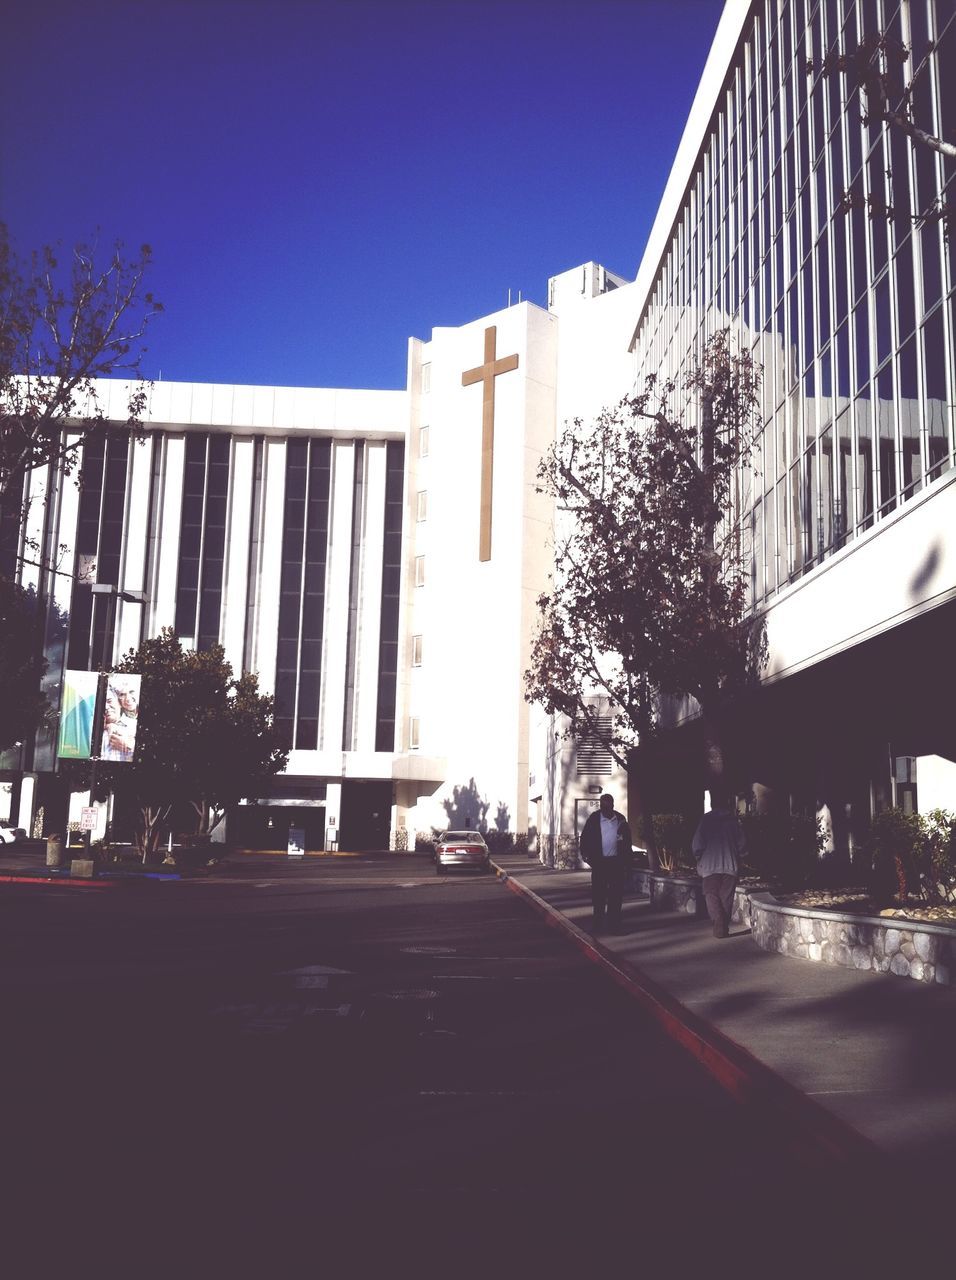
<point>849,311</point>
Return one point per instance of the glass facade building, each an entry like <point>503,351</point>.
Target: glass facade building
<point>812,232</point>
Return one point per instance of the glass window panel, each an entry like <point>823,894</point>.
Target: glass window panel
<point>861,345</point>
<point>932,272</point>
<point>842,448</point>
<point>945,56</point>
<point>863,478</point>
<point>861,274</point>
<point>841,361</point>
<point>909,418</point>
<point>781,551</point>
<point>899,181</point>
<point>905,293</point>
<point>854,142</point>
<point>884,331</point>
<point>886,420</point>
<point>823,290</point>
<point>797,522</point>
<point>879,227</point>
<point>936,394</point>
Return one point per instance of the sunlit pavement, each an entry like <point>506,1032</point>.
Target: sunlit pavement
<point>877,1051</point>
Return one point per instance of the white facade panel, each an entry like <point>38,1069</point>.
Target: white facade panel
<point>904,567</point>
<point>269,569</point>
<point>168,518</point>
<point>133,564</point>
<point>236,563</point>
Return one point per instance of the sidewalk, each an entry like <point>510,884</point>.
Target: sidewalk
<point>875,1051</point>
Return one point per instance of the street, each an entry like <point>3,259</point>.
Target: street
<point>286,1042</point>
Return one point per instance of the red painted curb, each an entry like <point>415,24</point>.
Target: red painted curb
<point>815,1134</point>
<point>86,884</point>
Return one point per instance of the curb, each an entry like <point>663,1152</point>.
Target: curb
<point>57,880</point>
<point>813,1133</point>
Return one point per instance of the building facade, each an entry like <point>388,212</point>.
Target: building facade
<point>811,230</point>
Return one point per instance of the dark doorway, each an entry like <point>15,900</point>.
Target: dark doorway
<point>265,826</point>
<point>366,815</point>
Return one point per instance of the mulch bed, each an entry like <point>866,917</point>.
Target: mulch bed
<point>858,902</point>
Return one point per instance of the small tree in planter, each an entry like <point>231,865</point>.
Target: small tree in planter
<point>671,838</point>
<point>936,858</point>
<point>893,846</point>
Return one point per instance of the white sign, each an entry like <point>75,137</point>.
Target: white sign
<point>296,845</point>
<point>88,818</point>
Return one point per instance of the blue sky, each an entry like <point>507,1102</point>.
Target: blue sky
<point>320,181</point>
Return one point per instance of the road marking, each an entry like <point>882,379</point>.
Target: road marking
<point>428,951</point>
<point>482,977</point>
<point>412,993</point>
<point>340,1011</point>
<point>316,970</point>
<point>473,1093</point>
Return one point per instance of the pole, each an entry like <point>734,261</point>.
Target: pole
<point>111,592</point>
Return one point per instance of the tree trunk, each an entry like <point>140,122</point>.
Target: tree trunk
<point>647,820</point>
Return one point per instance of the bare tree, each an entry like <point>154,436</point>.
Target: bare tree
<point>648,593</point>
<point>62,327</point>
<point>875,69</point>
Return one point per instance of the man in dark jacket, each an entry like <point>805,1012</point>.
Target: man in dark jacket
<point>606,848</point>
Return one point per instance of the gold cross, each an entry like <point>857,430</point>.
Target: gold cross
<point>486,374</point>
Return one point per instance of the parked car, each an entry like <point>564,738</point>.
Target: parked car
<point>11,835</point>
<point>461,849</point>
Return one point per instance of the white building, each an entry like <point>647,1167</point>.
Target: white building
<point>374,556</point>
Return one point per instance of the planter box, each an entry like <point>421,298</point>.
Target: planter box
<point>906,948</point>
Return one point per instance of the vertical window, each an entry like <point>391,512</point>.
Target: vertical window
<point>302,591</point>
<point>421,505</point>
<point>413,732</point>
<point>391,592</point>
<point>102,516</point>
<point>419,571</point>
<point>416,651</point>
<point>202,538</point>
<point>426,378</point>
<point>423,442</point>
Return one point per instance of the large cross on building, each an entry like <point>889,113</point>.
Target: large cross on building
<point>486,374</point>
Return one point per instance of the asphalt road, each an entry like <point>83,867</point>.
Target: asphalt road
<point>357,1051</point>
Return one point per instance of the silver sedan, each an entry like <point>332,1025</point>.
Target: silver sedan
<point>461,849</point>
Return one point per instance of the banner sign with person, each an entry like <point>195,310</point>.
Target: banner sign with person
<point>120,712</point>
<point>76,717</point>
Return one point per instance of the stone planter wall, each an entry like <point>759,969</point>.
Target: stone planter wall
<point>684,893</point>
<point>907,948</point>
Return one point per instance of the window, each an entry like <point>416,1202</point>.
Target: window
<point>419,571</point>
<point>423,442</point>
<point>413,732</point>
<point>426,378</point>
<point>416,651</point>
<point>421,505</point>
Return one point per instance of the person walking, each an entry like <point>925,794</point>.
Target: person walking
<point>718,846</point>
<point>606,848</point>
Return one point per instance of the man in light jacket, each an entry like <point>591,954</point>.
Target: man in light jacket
<point>606,848</point>
<point>718,846</point>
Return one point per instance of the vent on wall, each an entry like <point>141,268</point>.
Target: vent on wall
<point>591,755</point>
